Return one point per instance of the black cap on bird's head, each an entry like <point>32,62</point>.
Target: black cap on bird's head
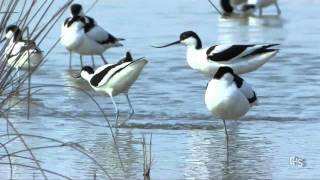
<point>13,31</point>
<point>13,28</point>
<point>76,9</point>
<point>187,38</point>
<point>87,69</point>
<point>222,71</point>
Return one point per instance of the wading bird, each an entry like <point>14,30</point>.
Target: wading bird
<point>82,34</point>
<point>228,96</point>
<point>241,58</point>
<point>21,54</point>
<point>115,79</point>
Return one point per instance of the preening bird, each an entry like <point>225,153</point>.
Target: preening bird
<point>115,79</point>
<point>21,54</point>
<point>228,96</point>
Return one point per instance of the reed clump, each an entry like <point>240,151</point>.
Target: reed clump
<point>35,19</point>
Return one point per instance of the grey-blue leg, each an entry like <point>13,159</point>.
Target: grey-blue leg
<point>131,111</point>
<point>116,111</point>
<point>81,61</point>
<point>260,11</point>
<point>104,60</point>
<point>226,131</point>
<point>92,60</point>
<point>70,60</point>
<point>278,8</point>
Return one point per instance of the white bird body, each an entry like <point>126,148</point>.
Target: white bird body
<point>228,96</point>
<point>115,79</point>
<point>32,55</point>
<point>82,34</point>
<point>262,3</point>
<point>72,37</point>
<point>116,82</point>
<point>225,100</point>
<point>76,40</point>
<point>198,60</point>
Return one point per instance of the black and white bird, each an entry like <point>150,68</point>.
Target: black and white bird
<point>247,6</point>
<point>241,58</point>
<point>237,7</point>
<point>115,79</point>
<point>82,34</point>
<point>21,54</point>
<point>228,96</point>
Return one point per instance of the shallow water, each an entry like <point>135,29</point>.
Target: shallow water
<point>188,143</point>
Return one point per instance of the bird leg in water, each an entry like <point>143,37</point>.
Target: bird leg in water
<point>260,11</point>
<point>104,60</point>
<point>278,8</point>
<point>70,60</point>
<point>131,111</point>
<point>92,60</point>
<point>116,111</point>
<point>226,132</point>
<point>81,61</point>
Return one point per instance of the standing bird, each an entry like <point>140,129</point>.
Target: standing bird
<point>81,34</point>
<point>115,79</point>
<point>237,7</point>
<point>228,96</point>
<point>21,53</point>
<point>241,58</point>
<point>247,6</point>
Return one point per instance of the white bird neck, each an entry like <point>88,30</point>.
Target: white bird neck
<point>86,76</point>
<point>196,59</point>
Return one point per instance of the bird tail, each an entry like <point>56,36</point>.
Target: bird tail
<point>121,39</point>
<point>263,49</point>
<point>117,44</point>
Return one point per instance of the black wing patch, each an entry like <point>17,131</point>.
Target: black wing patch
<point>70,21</point>
<point>110,40</point>
<point>253,99</point>
<point>96,79</point>
<point>228,54</point>
<point>238,80</point>
<point>263,49</point>
<point>89,25</point>
<point>117,71</point>
<point>210,50</point>
<point>66,21</point>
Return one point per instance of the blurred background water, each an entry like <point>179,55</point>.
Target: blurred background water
<point>188,143</point>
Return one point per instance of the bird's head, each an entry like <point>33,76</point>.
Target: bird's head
<point>188,38</point>
<point>224,72</point>
<point>13,31</point>
<point>85,73</point>
<point>76,10</point>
